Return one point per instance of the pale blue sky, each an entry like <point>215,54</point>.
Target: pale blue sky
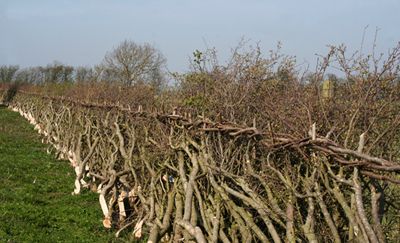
<point>81,32</point>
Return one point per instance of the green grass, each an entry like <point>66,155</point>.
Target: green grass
<point>36,204</point>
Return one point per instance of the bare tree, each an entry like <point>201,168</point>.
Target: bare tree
<point>131,63</point>
<point>7,73</point>
<point>57,73</point>
<point>84,74</point>
<point>32,75</point>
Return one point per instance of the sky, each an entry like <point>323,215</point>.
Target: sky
<point>81,32</point>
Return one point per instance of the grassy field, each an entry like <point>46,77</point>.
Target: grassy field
<point>36,204</point>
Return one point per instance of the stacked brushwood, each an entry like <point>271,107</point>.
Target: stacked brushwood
<point>173,177</point>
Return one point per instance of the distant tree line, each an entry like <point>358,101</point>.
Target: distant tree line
<point>127,64</point>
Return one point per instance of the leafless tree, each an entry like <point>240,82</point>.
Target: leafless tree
<point>84,75</point>
<point>131,63</point>
<point>57,73</point>
<point>7,73</point>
